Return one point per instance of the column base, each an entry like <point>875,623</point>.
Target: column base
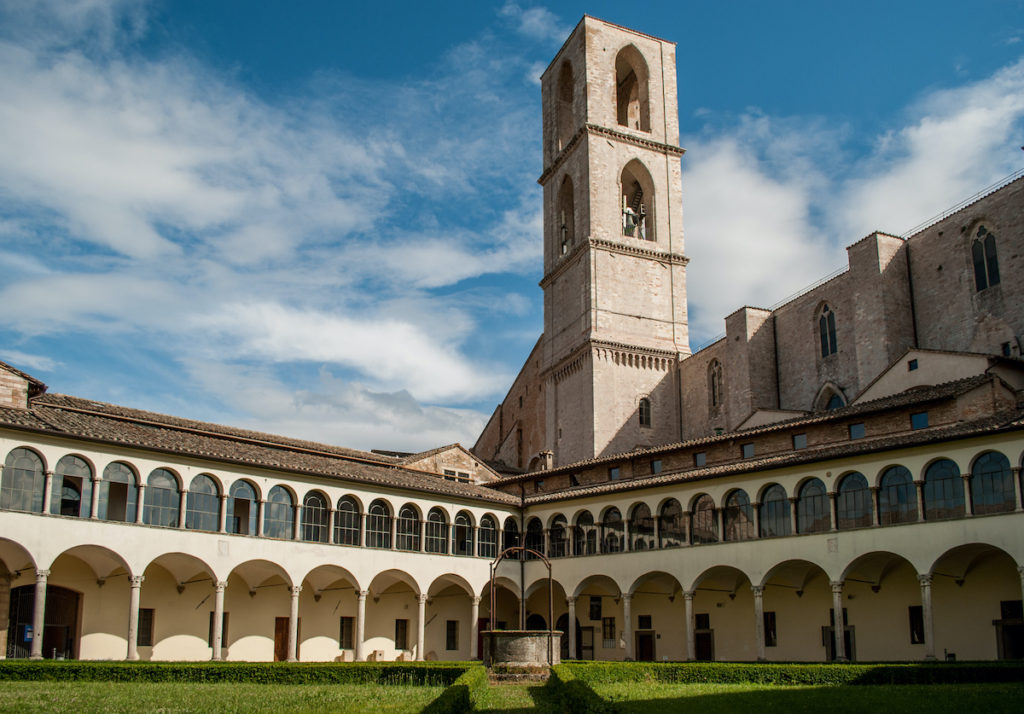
<point>35,656</point>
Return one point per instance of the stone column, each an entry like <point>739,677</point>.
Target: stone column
<point>756,505</point>
<point>182,506</point>
<point>793,514</point>
<point>628,533</point>
<point>920,499</point>
<point>360,625</point>
<point>222,526</point>
<point>926,616</point>
<point>1019,505</point>
<point>833,511</point>
<point>422,527</point>
<point>48,491</point>
<point>135,585</point>
<point>474,627</point>
<point>691,634</point>
<point>140,502</point>
<point>94,507</point>
<point>875,515</point>
<point>571,634</point>
<point>627,616</point>
<point>688,517</point>
<point>297,522</point>
<point>758,591</point>
<point>837,608</point>
<point>261,506</point>
<point>218,619</point>
<point>968,496</point>
<point>362,530</point>
<point>5,606</point>
<point>293,624</point>
<point>720,523</point>
<point>421,626</point>
<point>38,610</point>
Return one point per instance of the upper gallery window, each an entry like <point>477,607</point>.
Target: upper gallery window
<point>986,263</point>
<point>827,331</point>
<point>566,120</point>
<point>632,99</point>
<point>636,196</point>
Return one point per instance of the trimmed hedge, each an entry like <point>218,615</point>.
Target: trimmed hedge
<point>463,694</point>
<point>574,693</point>
<point>415,673</point>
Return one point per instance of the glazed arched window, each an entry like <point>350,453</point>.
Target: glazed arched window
<point>463,544</point>
<point>202,505</point>
<point>670,525</point>
<point>346,522</point>
<point>534,537</point>
<point>986,262</point>
<point>637,199</point>
<point>487,543</point>
<point>21,488</point>
<point>242,509</point>
<point>72,487</point>
<point>118,493</point>
<point>407,529</point>
<point>738,516</point>
<point>436,540</point>
<point>853,502</point>
<point>612,531</point>
<point>827,331</point>
<point>279,514</point>
<point>992,484</point>
<point>510,538</point>
<point>812,508</point>
<point>897,497</point>
<point>705,524</point>
<point>585,535</point>
<point>943,491</point>
<point>774,512</point>
<point>715,382</point>
<point>632,99</point>
<point>641,528</point>
<point>316,518</point>
<point>644,411</point>
<point>566,216</point>
<point>378,525</point>
<point>558,540</point>
<point>162,499</point>
<point>565,116</point>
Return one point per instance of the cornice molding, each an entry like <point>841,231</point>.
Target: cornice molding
<point>611,247</point>
<point>626,138</point>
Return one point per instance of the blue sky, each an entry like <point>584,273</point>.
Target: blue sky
<point>321,219</point>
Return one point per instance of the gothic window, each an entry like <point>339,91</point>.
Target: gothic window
<point>992,484</point>
<point>774,512</point>
<point>943,491</point>
<point>316,523</point>
<point>812,508</point>
<point>641,528</point>
<point>897,497</point>
<point>632,99</point>
<point>534,537</point>
<point>566,218</point>
<point>670,521</point>
<point>118,493</point>
<point>715,383</point>
<point>612,531</point>
<point>162,499</point>
<point>346,522</point>
<point>72,487</point>
<point>705,523</point>
<point>644,410</point>
<point>202,505</point>
<point>487,546</point>
<point>739,516</point>
<point>511,535</point>
<point>463,544</point>
<point>986,263</point>
<point>558,540</point>
<point>853,502</point>
<point>242,508</point>
<point>436,532</point>
<point>21,488</point>
<point>564,110</point>
<point>827,331</point>
<point>279,516</point>
<point>378,525</point>
<point>637,199</point>
<point>585,542</point>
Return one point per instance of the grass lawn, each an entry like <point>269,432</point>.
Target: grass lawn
<point>80,697</point>
<point>714,698</point>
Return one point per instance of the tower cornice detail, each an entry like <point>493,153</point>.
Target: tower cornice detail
<point>668,149</point>
<point>611,247</point>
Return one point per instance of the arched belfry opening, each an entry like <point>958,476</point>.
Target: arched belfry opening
<point>632,96</point>
<point>566,216</point>
<point>637,200</point>
<point>566,122</point>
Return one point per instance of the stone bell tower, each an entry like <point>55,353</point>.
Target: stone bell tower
<point>614,271</point>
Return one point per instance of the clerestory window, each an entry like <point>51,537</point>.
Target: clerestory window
<point>986,262</point>
<point>827,331</point>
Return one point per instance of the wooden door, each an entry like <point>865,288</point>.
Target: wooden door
<point>644,646</point>
<point>280,639</point>
<point>705,645</point>
<point>585,644</point>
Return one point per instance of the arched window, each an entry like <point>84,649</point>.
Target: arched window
<point>670,522</point>
<point>566,216</point>
<point>641,528</point>
<point>611,531</point>
<point>897,497</point>
<point>644,411</point>
<point>436,531</point>
<point>774,512</point>
<point>986,263</point>
<point>812,508</point>
<point>564,109</point>
<point>346,522</point>
<point>827,331</point>
<point>72,487</point>
<point>407,528</point>
<point>242,509</point>
<point>279,515</point>
<point>487,545</point>
<point>511,535</point>
<point>534,537</point>
<point>202,505</point>
<point>463,534</point>
<point>162,499</point>
<point>21,488</point>
<point>632,100</point>
<point>943,491</point>
<point>557,538</point>
<point>738,516</point>
<point>705,524</point>
<point>378,525</point>
<point>637,198</point>
<point>585,535</point>
<point>316,518</point>
<point>853,502</point>
<point>715,383</point>
<point>992,484</point>
<point>118,493</point>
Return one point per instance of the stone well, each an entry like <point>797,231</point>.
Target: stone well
<point>521,647</point>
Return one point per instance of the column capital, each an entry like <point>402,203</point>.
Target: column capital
<point>136,580</point>
<point>758,590</point>
<point>42,575</point>
<point>475,600</point>
<point>837,587</point>
<point>794,499</point>
<point>361,595</point>
<point>966,476</point>
<point>919,482</point>
<point>223,497</point>
<point>570,600</point>
<point>833,494</point>
<point>1020,569</point>
<point>688,594</point>
<point>874,489</point>
<point>422,598</point>
<point>295,590</point>
<point>925,579</point>
<point>220,585</point>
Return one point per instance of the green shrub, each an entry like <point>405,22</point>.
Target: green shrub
<point>574,693</point>
<point>463,694</point>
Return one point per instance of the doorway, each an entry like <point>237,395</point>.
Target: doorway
<point>645,646</point>
<point>60,622</point>
<point>281,638</point>
<point>585,643</point>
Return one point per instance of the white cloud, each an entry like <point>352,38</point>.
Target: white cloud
<point>29,361</point>
<point>536,22</point>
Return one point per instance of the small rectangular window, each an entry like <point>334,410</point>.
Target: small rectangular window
<point>401,634</point>
<point>463,476</point>
<point>799,441</point>
<point>919,420</point>
<point>643,622</point>
<point>700,458</point>
<point>223,630</point>
<point>857,431</point>
<point>608,632</point>
<point>656,466</point>
<point>345,633</point>
<point>144,636</point>
<point>911,365</point>
<point>595,607</point>
<point>702,621</point>
<point>916,625</point>
<point>538,485</point>
<point>771,638</point>
<point>747,450</point>
<point>574,480</point>
<point>613,473</point>
<point>451,635</point>
<point>1006,349</point>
